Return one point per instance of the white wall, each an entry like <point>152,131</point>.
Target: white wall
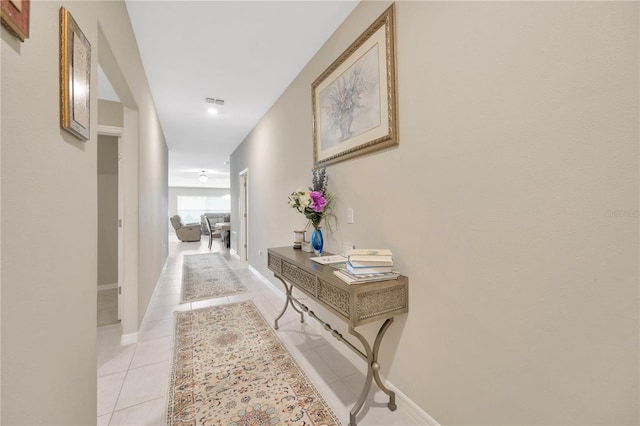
<point>145,164</point>
<point>49,217</point>
<point>511,203</point>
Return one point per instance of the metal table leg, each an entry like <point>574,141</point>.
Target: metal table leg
<point>370,355</point>
<point>373,371</point>
<point>289,301</point>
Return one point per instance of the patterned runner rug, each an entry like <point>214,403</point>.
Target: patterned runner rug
<point>205,276</point>
<point>230,369</point>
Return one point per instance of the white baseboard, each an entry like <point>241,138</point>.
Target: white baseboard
<point>269,284</point>
<point>420,416</point>
<point>402,400</point>
<point>128,339</point>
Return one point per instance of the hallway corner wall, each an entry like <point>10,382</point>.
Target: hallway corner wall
<point>49,267</point>
<point>49,217</point>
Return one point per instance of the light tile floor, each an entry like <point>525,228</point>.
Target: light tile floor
<point>133,380</point>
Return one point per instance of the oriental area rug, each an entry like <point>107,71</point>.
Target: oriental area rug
<point>205,276</point>
<point>230,369</point>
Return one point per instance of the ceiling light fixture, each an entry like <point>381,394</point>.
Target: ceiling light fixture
<point>214,101</point>
<point>203,177</point>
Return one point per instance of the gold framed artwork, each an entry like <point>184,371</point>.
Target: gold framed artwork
<point>354,99</point>
<point>75,77</point>
<point>15,16</point>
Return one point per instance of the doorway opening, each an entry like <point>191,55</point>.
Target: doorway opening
<point>110,238</point>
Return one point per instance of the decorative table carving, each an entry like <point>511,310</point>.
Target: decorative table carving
<point>356,304</point>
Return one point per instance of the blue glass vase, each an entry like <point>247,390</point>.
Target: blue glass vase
<point>317,241</point>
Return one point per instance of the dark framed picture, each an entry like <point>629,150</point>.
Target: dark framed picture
<point>15,16</point>
<point>354,99</point>
<point>75,77</point>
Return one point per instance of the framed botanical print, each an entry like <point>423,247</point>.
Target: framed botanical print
<point>354,99</point>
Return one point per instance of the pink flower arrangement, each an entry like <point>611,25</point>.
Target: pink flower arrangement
<point>316,203</point>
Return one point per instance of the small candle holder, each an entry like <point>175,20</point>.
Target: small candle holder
<point>298,239</point>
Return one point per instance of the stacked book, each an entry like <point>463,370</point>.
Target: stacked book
<point>366,265</point>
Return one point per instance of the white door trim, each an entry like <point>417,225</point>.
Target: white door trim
<point>243,199</point>
<point>118,132</point>
<point>110,130</point>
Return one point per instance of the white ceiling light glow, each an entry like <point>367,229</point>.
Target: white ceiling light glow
<point>203,177</point>
<point>214,101</point>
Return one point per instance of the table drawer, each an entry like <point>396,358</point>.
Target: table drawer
<point>384,302</point>
<point>334,297</point>
<point>300,278</point>
<point>274,263</point>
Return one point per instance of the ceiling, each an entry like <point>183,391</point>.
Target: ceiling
<point>243,52</point>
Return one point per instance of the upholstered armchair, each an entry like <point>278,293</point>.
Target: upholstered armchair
<point>185,231</point>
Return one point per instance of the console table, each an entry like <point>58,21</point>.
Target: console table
<point>355,304</point>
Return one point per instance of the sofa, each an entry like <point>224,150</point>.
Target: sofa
<point>185,231</point>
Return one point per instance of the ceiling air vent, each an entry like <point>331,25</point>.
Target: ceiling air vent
<point>214,101</point>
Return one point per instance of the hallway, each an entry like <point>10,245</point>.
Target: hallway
<point>133,380</point>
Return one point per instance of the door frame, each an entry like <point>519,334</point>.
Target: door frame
<point>243,200</point>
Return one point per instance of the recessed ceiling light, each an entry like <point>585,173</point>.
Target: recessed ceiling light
<point>214,101</point>
<point>213,111</point>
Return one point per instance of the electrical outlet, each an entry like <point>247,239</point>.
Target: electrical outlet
<point>349,215</point>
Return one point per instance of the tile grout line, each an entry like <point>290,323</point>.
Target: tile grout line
<point>115,404</point>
